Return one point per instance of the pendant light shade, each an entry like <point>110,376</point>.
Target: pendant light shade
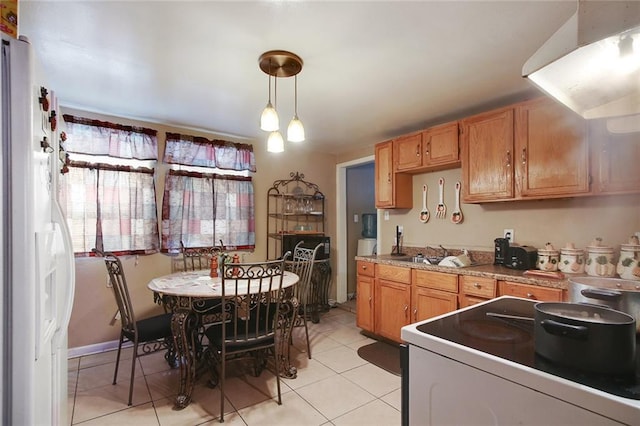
<point>280,63</point>
<point>295,131</point>
<point>275,142</point>
<point>269,119</point>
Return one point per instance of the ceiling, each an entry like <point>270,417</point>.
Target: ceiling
<point>372,70</point>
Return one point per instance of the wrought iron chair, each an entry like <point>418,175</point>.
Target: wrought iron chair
<point>251,295</point>
<point>302,265</point>
<point>196,258</point>
<point>147,335</point>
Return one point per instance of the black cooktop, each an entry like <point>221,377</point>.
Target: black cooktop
<point>512,339</point>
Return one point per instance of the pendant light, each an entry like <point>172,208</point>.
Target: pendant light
<point>280,63</point>
<point>269,119</point>
<point>295,131</point>
<point>275,142</point>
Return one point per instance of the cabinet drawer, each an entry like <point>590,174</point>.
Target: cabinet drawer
<point>478,286</point>
<point>533,292</point>
<point>466,301</point>
<point>393,273</point>
<point>366,268</point>
<point>435,280</point>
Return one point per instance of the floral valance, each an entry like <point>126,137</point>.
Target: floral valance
<point>198,151</point>
<point>95,137</point>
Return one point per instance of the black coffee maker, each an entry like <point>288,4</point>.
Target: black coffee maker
<point>501,251</point>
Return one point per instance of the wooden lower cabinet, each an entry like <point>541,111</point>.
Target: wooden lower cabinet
<point>533,292</point>
<point>434,293</point>
<point>392,300</point>
<point>476,289</point>
<point>390,297</point>
<point>428,303</point>
<point>364,303</point>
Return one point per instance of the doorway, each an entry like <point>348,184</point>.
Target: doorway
<point>355,196</point>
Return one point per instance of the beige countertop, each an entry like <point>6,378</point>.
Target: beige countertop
<point>497,272</point>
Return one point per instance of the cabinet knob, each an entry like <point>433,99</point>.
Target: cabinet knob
<point>476,285</point>
<point>364,267</point>
<point>524,156</point>
<point>428,148</point>
<point>388,177</point>
<point>418,150</point>
<point>508,158</point>
<point>531,296</point>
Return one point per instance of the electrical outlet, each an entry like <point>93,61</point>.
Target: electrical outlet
<point>509,234</point>
<point>386,215</point>
<point>400,229</point>
<point>355,218</point>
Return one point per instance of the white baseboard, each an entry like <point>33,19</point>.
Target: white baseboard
<point>95,348</point>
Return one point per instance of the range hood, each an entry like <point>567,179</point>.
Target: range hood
<point>592,63</point>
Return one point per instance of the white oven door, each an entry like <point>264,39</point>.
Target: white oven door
<point>443,391</point>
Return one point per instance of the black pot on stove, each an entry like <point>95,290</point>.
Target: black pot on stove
<point>589,338</point>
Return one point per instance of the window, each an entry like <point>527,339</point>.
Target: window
<point>208,196</point>
<point>108,195</point>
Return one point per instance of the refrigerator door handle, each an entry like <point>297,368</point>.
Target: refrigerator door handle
<point>66,279</point>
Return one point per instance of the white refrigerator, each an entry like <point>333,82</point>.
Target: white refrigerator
<point>37,263</point>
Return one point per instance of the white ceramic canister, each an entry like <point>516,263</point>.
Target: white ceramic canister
<point>548,258</point>
<point>600,260</point>
<point>571,259</point>
<point>629,262</point>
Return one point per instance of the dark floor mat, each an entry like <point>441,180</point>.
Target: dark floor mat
<point>384,355</point>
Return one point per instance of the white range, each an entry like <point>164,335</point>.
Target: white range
<point>468,368</point>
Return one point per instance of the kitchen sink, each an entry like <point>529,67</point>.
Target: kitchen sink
<point>435,260</point>
<point>430,260</point>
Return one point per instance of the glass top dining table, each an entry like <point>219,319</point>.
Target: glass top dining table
<point>190,296</point>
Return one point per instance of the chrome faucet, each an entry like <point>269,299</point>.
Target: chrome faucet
<point>445,252</point>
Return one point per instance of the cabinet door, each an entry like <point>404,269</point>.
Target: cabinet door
<point>487,156</point>
<point>440,145</point>
<point>384,175</point>
<point>616,157</point>
<point>533,292</point>
<point>364,303</point>
<point>428,303</point>
<point>552,152</point>
<point>392,301</point>
<point>408,152</point>
<point>392,190</point>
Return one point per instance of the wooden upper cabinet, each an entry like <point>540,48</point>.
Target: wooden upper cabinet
<point>392,190</point>
<point>487,156</point>
<point>408,152</point>
<point>551,155</point>
<point>615,158</point>
<point>433,149</point>
<point>440,145</point>
<point>384,174</point>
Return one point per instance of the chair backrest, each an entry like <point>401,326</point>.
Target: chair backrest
<point>251,295</point>
<point>120,290</point>
<point>302,265</point>
<point>196,258</point>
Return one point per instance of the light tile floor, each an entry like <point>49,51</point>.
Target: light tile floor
<point>336,387</point>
